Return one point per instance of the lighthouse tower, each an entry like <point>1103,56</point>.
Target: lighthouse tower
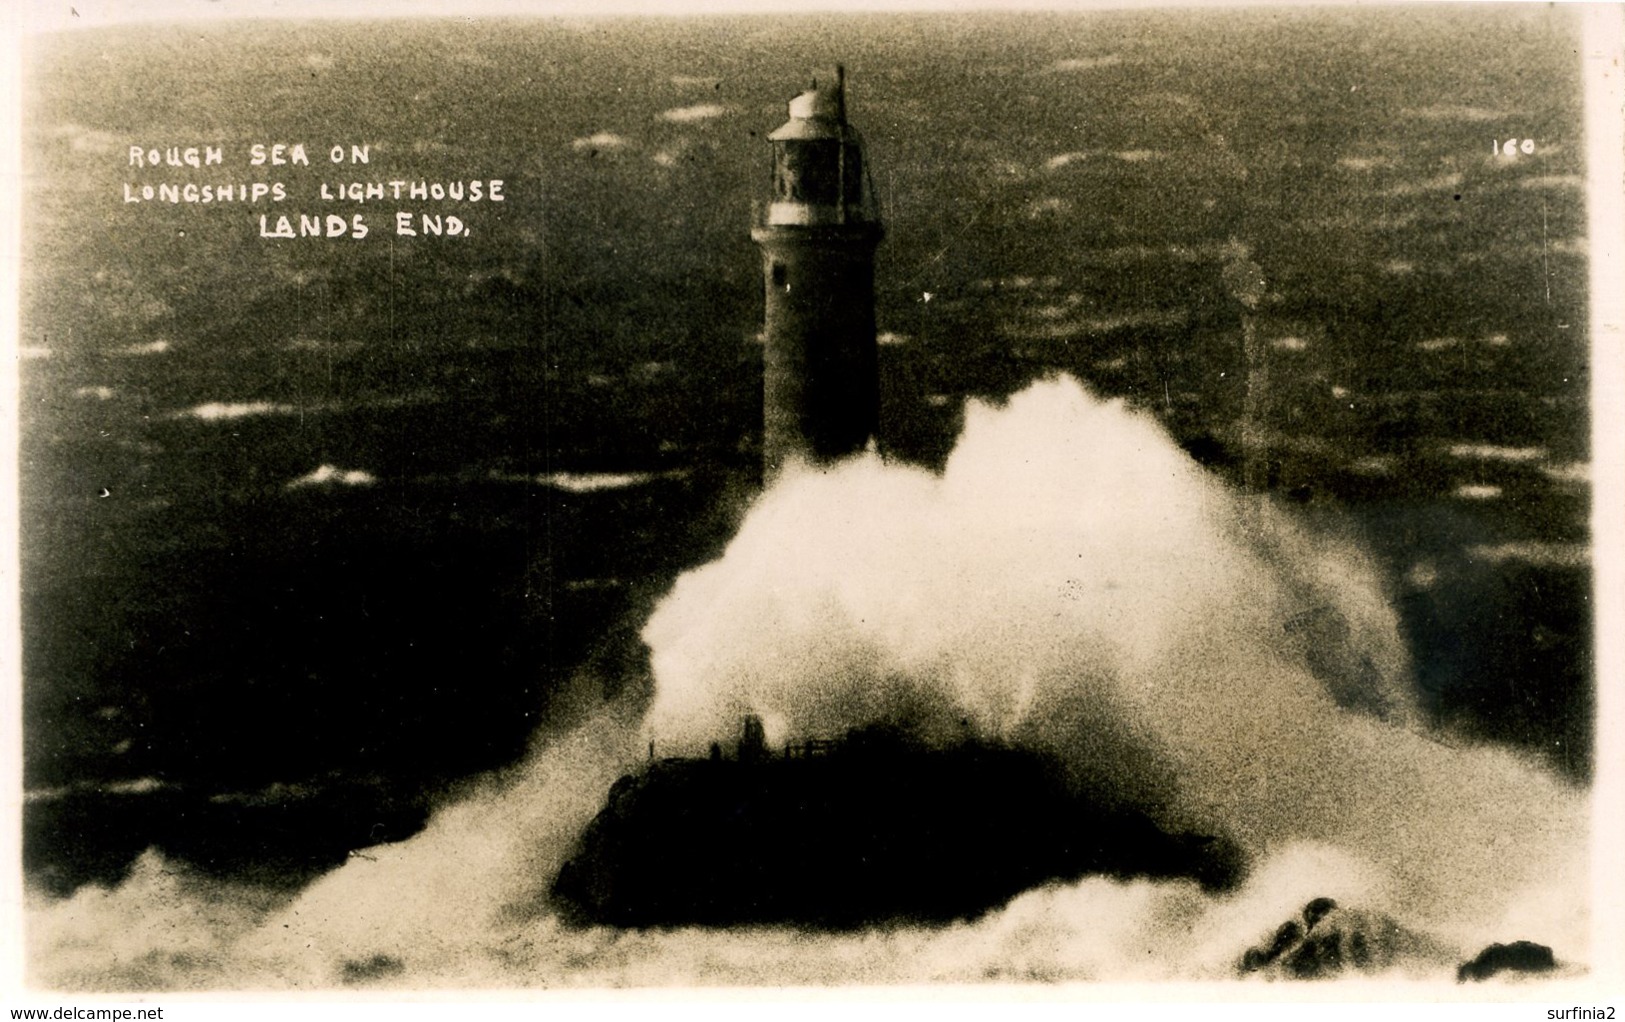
<point>818,233</point>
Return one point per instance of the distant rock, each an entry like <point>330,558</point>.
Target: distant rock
<point>1329,940</point>
<point>378,967</point>
<point>1519,956</point>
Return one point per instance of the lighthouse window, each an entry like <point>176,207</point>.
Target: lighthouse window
<point>785,187</point>
<point>809,172</point>
<point>852,167</point>
<point>778,275</point>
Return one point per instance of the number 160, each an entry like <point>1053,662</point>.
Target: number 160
<point>1512,147</point>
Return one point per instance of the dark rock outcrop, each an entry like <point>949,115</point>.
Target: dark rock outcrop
<point>1330,940</point>
<point>1519,956</point>
<point>869,830</point>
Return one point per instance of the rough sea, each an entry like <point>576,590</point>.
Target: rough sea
<point>1234,409</point>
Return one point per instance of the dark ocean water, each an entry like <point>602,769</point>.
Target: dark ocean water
<point>314,528</point>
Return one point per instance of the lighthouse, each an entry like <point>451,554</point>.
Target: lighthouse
<point>818,234</point>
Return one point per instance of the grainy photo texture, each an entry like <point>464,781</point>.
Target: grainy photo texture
<point>806,499</point>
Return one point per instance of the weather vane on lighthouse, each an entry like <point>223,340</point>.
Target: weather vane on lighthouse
<point>818,234</point>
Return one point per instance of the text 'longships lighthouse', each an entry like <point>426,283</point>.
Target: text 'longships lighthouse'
<point>818,233</point>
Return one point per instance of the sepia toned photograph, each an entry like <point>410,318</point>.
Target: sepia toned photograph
<point>520,500</point>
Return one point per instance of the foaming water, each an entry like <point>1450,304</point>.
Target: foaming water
<point>1073,583</point>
